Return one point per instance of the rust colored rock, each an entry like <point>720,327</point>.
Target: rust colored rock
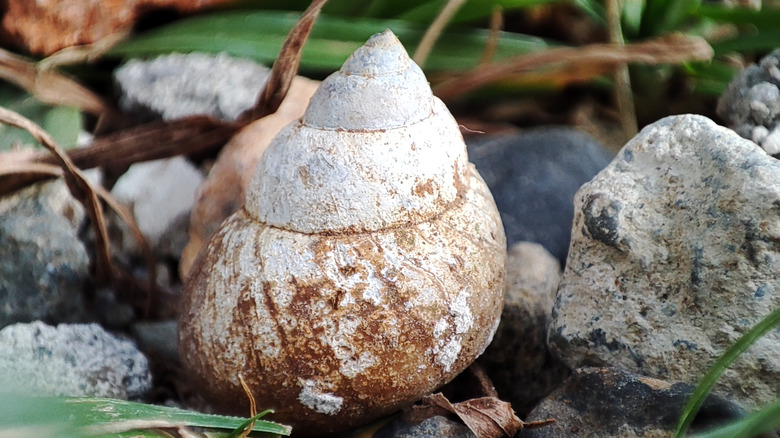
<point>46,26</point>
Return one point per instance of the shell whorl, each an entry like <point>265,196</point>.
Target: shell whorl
<point>374,149</point>
<point>377,88</point>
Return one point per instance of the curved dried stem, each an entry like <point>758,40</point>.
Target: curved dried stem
<point>435,29</point>
<point>286,65</point>
<point>85,192</point>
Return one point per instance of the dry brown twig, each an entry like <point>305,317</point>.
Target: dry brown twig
<point>435,29</point>
<point>496,24</point>
<point>85,192</point>
<point>163,139</point>
<point>624,96</point>
<point>580,63</point>
<point>286,65</point>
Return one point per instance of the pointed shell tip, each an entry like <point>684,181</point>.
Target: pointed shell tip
<point>382,54</point>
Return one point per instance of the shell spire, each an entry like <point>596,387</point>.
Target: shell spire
<point>379,87</point>
<point>374,149</point>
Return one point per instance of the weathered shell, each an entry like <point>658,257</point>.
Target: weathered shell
<point>367,267</point>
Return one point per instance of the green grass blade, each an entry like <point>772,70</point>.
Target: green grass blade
<point>62,123</point>
<point>764,421</point>
<point>662,16</point>
<point>245,425</point>
<point>594,8</point>
<point>258,35</point>
<point>98,417</point>
<point>763,40</point>
<point>426,11</point>
<point>767,18</point>
<point>709,380</point>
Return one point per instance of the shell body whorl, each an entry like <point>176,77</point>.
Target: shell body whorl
<point>366,269</point>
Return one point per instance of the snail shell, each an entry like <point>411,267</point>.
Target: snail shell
<point>367,266</point>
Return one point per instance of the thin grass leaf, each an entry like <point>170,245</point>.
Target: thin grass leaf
<point>711,78</point>
<point>766,18</point>
<point>764,421</point>
<point>99,417</point>
<point>594,9</point>
<point>259,35</point>
<point>63,123</point>
<point>662,16</point>
<point>763,40</point>
<point>426,11</point>
<point>631,17</point>
<point>708,381</point>
<point>248,425</point>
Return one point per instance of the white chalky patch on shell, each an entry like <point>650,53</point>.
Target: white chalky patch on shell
<point>362,277</point>
<point>447,353</point>
<point>373,290</point>
<point>281,264</point>
<point>338,336</point>
<point>440,327</point>
<point>317,400</point>
<point>459,308</point>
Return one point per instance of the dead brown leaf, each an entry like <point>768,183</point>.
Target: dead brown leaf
<point>49,86</point>
<point>286,65</point>
<point>486,417</point>
<point>580,63</point>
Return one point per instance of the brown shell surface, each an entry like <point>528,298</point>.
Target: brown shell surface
<point>332,331</point>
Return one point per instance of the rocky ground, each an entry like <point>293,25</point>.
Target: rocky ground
<point>616,304</point>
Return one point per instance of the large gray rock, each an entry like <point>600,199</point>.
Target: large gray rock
<point>675,253</point>
<point>608,402</point>
<point>43,265</point>
<point>518,361</point>
<point>77,360</point>
<point>180,85</point>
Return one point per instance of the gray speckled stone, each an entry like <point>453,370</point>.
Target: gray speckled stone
<point>77,360</point>
<point>162,215</point>
<point>675,253</point>
<point>434,427</point>
<point>180,85</point>
<point>607,402</point>
<point>533,175</point>
<point>518,361</point>
<point>751,104</point>
<point>43,264</point>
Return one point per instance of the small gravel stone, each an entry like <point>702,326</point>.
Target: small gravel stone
<point>180,85</point>
<point>160,194</point>
<point>76,360</point>
<point>43,265</point>
<point>518,361</point>
<point>434,427</point>
<point>752,101</point>
<point>158,336</point>
<point>533,176</point>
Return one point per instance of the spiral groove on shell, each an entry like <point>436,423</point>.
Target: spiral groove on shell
<point>367,267</point>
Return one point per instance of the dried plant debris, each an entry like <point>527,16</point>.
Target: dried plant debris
<point>487,417</point>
